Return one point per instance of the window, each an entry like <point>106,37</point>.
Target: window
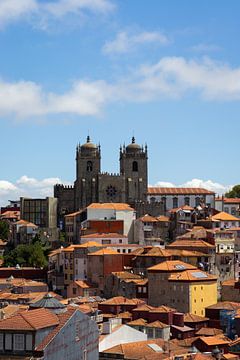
<point>139,289</point>
<point>175,202</point>
<point>152,199</point>
<point>144,290</point>
<point>135,166</point>
<point>120,241</point>
<point>18,342</point>
<point>66,276</point>
<point>89,166</point>
<point>71,277</point>
<point>187,200</point>
<point>106,241</point>
<point>8,341</point>
<point>29,342</point>
<point>233,211</point>
<point>74,291</point>
<point>226,209</point>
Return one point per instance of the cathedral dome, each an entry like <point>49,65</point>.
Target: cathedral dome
<point>88,145</point>
<point>133,147</point>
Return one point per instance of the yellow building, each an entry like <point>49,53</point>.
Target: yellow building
<point>181,286</point>
<point>198,290</point>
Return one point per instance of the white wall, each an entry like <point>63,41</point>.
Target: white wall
<point>210,199</point>
<point>123,335</point>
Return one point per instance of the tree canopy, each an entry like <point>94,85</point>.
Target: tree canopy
<point>27,255</point>
<point>234,193</point>
<point>4,230</point>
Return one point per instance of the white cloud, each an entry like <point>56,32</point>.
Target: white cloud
<point>171,77</point>
<point>27,186</point>
<point>125,42</point>
<point>16,10</point>
<point>219,189</point>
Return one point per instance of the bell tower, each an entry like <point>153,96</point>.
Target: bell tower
<point>88,166</point>
<point>133,165</point>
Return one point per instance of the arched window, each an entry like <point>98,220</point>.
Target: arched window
<point>187,200</point>
<point>135,166</point>
<point>89,166</point>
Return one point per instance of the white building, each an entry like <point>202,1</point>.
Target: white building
<point>113,211</point>
<point>105,239</point>
<point>225,220</point>
<point>174,198</point>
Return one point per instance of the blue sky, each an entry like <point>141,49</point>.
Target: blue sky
<point>167,71</point>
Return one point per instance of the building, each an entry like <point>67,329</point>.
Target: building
<point>42,213</point>
<point>181,285</point>
<point>151,230</point>
<point>92,185</point>
<point>106,239</point>
<point>42,334</point>
<point>225,220</point>
<point>173,198</point>
<point>228,205</point>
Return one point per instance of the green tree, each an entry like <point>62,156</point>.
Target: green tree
<point>234,193</point>
<point>4,230</point>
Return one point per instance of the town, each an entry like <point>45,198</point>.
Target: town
<point>112,268</point>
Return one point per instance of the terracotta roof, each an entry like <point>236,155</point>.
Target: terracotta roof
<point>73,214</point>
<point>178,191</point>
<point>144,307</point>
<point>157,324</point>
<point>104,251</point>
<point>207,331</point>
<point>136,350</point>
<point>112,206</point>
<point>192,275</point>
<point>223,216</point>
<point>125,315</point>
<point>30,320</point>
<point>228,200</point>
<point>157,251</point>
<point>188,317</point>
<point>162,309</point>
<point>185,253</point>
<point>184,328</point>
<point>190,243</point>
<point>137,322</point>
<point>230,282</point>
<point>87,244</point>
<point>10,214</point>
<point>103,235</point>
<point>148,218</point>
<point>226,305</point>
<point>214,340</point>
<point>121,300</point>
<point>170,266</point>
<point>126,275</point>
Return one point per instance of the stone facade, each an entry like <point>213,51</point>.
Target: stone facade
<point>92,185</point>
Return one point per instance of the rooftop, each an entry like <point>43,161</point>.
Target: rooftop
<point>121,300</point>
<point>223,216</point>
<point>110,206</point>
<point>178,191</point>
<point>103,235</point>
<point>192,275</point>
<point>171,266</point>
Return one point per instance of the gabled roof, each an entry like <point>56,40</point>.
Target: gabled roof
<point>223,216</point>
<point>157,251</point>
<point>162,309</point>
<point>137,322</point>
<point>112,206</point>
<point>185,253</point>
<point>121,300</point>
<point>144,307</point>
<point>188,317</point>
<point>190,243</point>
<point>178,191</point>
<point>30,320</point>
<point>157,324</point>
<point>171,266</point>
<point>103,252</point>
<point>207,331</point>
<point>214,340</point>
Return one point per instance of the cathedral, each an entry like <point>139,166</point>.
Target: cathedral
<point>92,185</point>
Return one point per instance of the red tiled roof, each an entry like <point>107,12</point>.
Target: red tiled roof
<point>178,191</point>
<point>30,320</point>
<point>121,300</point>
<point>103,235</point>
<point>172,265</point>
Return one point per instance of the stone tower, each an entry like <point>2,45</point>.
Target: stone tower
<point>88,167</point>
<point>133,166</point>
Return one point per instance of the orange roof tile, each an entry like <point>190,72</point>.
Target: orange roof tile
<point>113,206</point>
<point>143,307</point>
<point>148,218</point>
<point>190,243</point>
<point>214,340</point>
<point>185,253</point>
<point>170,266</point>
<point>182,208</point>
<point>30,320</point>
<point>103,252</point>
<point>207,331</point>
<point>163,218</point>
<point>228,200</point>
<point>223,216</point>
<point>157,324</point>
<point>137,322</point>
<point>157,251</point>
<point>162,309</point>
<point>192,275</point>
<point>121,300</point>
<point>226,305</point>
<point>83,284</point>
<point>178,191</point>
<point>188,317</point>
